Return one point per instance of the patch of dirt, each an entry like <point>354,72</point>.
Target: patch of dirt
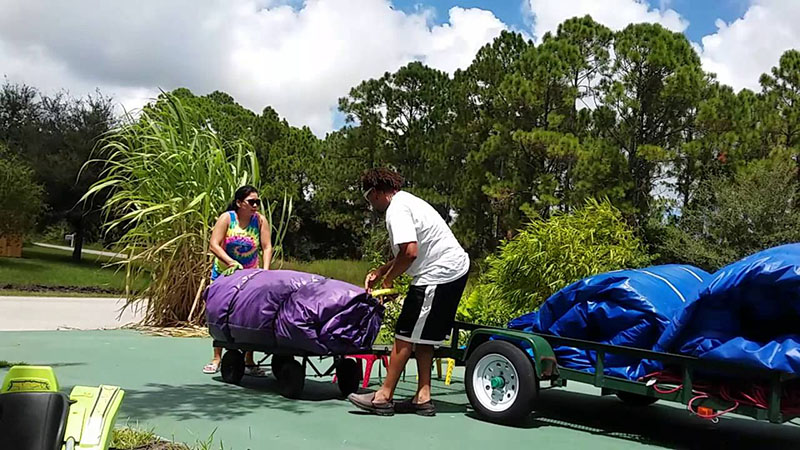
<point>70,289</point>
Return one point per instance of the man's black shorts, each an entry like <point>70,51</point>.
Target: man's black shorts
<point>429,311</point>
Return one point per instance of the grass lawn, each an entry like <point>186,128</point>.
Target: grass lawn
<point>54,268</point>
<point>50,267</point>
<point>352,271</point>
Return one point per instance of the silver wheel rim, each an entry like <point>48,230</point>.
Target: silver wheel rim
<point>491,395</point>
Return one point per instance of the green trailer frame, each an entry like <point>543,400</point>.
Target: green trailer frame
<point>545,367</point>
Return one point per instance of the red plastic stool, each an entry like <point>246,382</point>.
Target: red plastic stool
<point>370,360</point>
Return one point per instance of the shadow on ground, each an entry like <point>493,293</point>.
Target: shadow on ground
<point>224,401</point>
<point>660,425</point>
<point>654,425</point>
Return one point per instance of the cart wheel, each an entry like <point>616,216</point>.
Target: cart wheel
<point>291,380</point>
<point>636,399</point>
<point>348,376</point>
<point>501,383</point>
<point>278,361</point>
<point>232,366</point>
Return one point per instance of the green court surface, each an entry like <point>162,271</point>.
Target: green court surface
<point>166,390</point>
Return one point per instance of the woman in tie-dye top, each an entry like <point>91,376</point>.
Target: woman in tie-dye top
<point>239,235</point>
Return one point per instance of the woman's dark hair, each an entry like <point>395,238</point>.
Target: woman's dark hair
<point>240,195</point>
<point>381,179</point>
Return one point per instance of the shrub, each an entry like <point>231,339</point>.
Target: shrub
<point>20,196</point>
<point>169,181</point>
<point>547,255</point>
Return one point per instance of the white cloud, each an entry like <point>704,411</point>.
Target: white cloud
<point>615,14</point>
<point>297,57</point>
<point>741,51</point>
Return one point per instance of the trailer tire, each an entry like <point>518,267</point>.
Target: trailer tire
<point>277,362</point>
<point>348,376</point>
<point>501,382</point>
<point>232,366</point>
<point>635,399</point>
<point>292,379</point>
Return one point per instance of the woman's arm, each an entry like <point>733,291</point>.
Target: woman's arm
<point>218,239</point>
<point>265,236</point>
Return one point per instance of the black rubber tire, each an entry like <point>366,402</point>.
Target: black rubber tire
<point>636,399</point>
<point>527,385</point>
<point>277,362</point>
<point>348,376</point>
<point>232,366</point>
<point>292,379</point>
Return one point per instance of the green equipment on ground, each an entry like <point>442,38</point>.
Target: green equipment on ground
<point>34,415</point>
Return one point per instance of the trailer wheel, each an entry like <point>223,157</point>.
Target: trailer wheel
<point>636,399</point>
<point>501,383</point>
<point>232,366</point>
<point>291,380</point>
<point>348,376</point>
<point>277,362</point>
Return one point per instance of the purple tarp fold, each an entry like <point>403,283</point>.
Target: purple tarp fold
<point>292,310</point>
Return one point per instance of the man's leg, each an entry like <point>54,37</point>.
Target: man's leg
<point>424,356</point>
<point>401,352</point>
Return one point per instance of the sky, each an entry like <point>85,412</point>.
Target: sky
<point>301,56</point>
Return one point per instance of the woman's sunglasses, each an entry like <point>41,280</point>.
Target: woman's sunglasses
<point>254,201</point>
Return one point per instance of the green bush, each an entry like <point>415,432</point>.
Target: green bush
<point>546,256</point>
<point>20,196</point>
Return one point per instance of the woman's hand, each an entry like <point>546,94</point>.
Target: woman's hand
<point>232,267</point>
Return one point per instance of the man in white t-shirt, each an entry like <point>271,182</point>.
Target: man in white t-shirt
<point>425,248</point>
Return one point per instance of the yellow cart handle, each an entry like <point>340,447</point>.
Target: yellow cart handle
<point>382,292</point>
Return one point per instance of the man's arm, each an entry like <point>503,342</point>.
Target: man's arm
<point>374,275</point>
<point>405,257</point>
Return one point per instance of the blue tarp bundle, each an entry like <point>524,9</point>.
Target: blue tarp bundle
<point>749,312</point>
<point>628,307</point>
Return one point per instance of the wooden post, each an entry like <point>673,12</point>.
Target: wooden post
<point>11,246</point>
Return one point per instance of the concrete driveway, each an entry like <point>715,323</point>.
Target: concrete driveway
<point>54,313</point>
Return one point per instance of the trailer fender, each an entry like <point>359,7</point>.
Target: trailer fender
<point>540,351</point>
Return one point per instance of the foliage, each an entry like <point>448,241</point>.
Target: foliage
<point>55,135</point>
<point>20,196</point>
<point>735,216</point>
<point>527,130</point>
<point>134,438</point>
<point>169,180</point>
<point>547,255</point>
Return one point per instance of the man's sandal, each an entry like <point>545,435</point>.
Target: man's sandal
<point>254,371</point>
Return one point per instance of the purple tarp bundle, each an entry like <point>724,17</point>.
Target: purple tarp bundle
<point>293,311</point>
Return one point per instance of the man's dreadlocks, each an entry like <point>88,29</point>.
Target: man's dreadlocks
<point>381,179</point>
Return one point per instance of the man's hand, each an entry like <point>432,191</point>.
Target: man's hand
<point>371,279</point>
<point>387,283</point>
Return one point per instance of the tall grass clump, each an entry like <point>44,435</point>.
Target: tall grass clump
<point>170,176</point>
<point>547,255</point>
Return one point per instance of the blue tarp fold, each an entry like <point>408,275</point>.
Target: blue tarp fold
<point>628,308</point>
<point>749,312</point>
